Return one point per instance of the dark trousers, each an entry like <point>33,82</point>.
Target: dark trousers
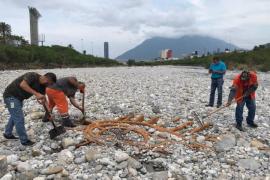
<point>250,103</point>
<point>216,84</point>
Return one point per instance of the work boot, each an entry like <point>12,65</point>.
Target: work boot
<point>219,105</point>
<point>239,127</point>
<point>45,118</point>
<point>28,143</point>
<point>253,125</point>
<point>208,105</point>
<point>10,136</point>
<point>68,123</point>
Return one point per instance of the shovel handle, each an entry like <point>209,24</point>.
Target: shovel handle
<point>223,107</point>
<point>83,100</point>
<point>48,112</point>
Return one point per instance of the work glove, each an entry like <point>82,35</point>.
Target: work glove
<point>40,98</point>
<point>250,90</point>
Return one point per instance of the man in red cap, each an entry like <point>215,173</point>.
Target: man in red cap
<point>243,90</point>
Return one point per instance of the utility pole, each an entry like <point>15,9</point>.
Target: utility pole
<point>92,47</point>
<point>82,45</point>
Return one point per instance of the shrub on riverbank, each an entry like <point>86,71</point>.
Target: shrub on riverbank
<point>25,57</point>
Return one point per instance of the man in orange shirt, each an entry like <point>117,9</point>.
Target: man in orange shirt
<point>57,93</point>
<point>243,90</point>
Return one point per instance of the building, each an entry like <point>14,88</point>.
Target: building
<point>166,54</point>
<point>34,16</point>
<point>227,50</point>
<point>106,50</point>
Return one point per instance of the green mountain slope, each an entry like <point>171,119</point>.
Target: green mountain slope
<point>257,59</point>
<point>47,57</point>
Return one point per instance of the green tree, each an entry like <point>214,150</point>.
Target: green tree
<point>5,32</point>
<point>19,39</point>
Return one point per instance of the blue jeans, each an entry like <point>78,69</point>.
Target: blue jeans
<point>250,103</point>
<point>16,118</point>
<point>216,84</point>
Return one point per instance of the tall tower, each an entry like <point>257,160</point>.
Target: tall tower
<point>106,50</point>
<point>34,15</point>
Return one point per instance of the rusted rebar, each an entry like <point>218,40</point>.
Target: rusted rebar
<point>97,132</point>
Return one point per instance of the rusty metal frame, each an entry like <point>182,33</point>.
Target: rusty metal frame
<point>96,132</point>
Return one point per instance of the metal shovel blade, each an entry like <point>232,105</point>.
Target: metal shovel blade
<point>57,131</point>
<point>198,118</point>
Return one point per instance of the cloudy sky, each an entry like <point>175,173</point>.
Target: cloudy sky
<point>126,23</point>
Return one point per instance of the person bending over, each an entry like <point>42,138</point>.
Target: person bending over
<point>22,88</point>
<point>57,93</point>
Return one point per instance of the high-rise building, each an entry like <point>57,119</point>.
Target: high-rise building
<point>106,50</point>
<point>34,15</point>
<point>166,54</point>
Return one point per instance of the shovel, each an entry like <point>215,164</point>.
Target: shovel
<point>56,131</point>
<point>200,120</point>
<point>83,121</point>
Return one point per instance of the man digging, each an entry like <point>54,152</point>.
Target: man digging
<point>244,84</point>
<point>20,89</point>
<point>57,93</point>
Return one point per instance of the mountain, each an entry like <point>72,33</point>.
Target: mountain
<point>151,48</point>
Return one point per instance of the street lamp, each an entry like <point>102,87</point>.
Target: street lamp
<point>82,45</point>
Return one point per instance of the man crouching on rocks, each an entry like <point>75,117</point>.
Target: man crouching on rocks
<point>243,90</point>
<point>20,89</point>
<point>57,93</point>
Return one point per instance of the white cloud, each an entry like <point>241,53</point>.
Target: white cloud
<point>125,23</point>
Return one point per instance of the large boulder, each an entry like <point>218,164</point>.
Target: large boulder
<point>3,165</point>
<point>225,143</point>
<point>257,144</point>
<point>250,164</point>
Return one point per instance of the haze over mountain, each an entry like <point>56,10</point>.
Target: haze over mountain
<point>151,48</point>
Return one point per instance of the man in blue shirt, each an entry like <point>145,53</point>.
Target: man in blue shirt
<point>217,69</point>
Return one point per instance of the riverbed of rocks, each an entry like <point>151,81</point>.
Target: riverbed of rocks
<point>167,92</point>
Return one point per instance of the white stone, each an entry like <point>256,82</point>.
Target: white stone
<point>106,161</point>
<point>23,166</point>
<point>132,171</point>
<point>66,142</point>
<point>52,170</point>
<point>12,159</point>
<point>36,115</point>
<point>39,178</point>
<point>65,157</point>
<point>91,155</point>
<point>120,156</point>
<point>7,176</point>
<point>200,139</point>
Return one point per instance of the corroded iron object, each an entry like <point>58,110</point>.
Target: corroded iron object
<point>117,130</point>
